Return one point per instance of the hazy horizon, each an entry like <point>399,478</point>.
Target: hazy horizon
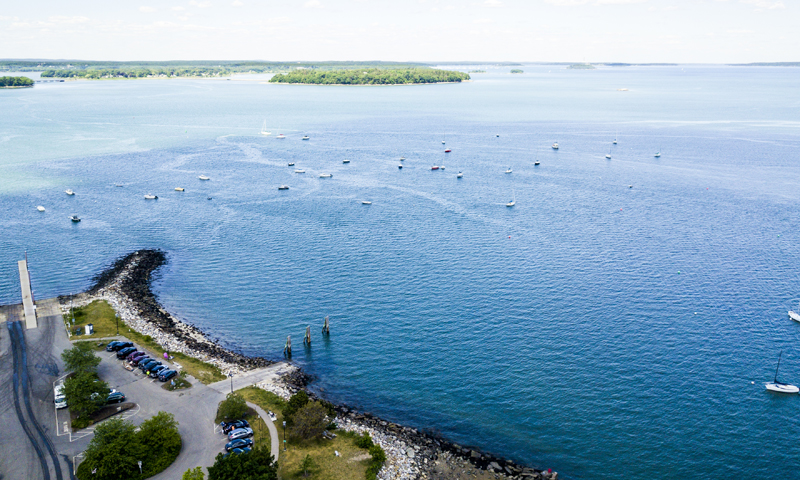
<point>541,31</point>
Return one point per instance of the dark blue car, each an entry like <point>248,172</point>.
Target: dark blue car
<point>166,375</point>
<point>239,443</point>
<point>125,352</point>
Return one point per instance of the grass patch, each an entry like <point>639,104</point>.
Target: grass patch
<point>99,313</point>
<point>351,465</point>
<point>180,384</point>
<point>100,415</point>
<point>266,400</point>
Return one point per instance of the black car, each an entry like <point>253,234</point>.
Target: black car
<point>149,365</point>
<point>138,361</point>
<point>239,443</point>
<point>166,375</point>
<point>125,352</point>
<point>233,425</point>
<point>117,345</point>
<point>134,354</point>
<point>116,397</point>
<point>156,370</point>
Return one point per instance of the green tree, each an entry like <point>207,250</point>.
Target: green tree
<point>234,407</point>
<point>195,473</point>
<point>159,434</point>
<point>112,453</point>
<point>256,465</point>
<point>309,422</point>
<point>295,403</point>
<point>306,465</point>
<point>85,393</point>
<point>80,358</point>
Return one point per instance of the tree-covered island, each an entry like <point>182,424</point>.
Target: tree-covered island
<point>372,76</point>
<point>15,82</point>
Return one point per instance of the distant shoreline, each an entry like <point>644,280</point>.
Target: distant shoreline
<point>363,84</point>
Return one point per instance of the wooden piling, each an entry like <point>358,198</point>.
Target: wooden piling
<point>287,349</point>
<point>307,339</point>
<point>326,330</point>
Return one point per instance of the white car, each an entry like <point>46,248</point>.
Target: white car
<point>59,398</point>
<point>240,433</point>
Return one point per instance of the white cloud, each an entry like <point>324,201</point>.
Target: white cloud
<point>200,4</point>
<point>177,9</point>
<point>237,3</point>
<point>493,3</point>
<point>768,4</point>
<point>67,20</point>
<point>312,4</point>
<point>146,9</point>
<point>483,21</point>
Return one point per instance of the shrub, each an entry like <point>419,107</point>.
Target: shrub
<point>233,407</point>
<point>298,401</point>
<point>364,441</point>
<point>256,465</point>
<point>195,473</point>
<point>309,421</point>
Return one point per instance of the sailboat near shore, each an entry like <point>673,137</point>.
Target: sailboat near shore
<point>780,387</point>
<point>264,129</point>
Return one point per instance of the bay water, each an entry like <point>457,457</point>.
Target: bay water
<point>619,321</point>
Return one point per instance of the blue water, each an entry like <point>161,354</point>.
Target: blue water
<point>600,330</point>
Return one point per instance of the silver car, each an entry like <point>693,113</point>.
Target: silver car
<point>240,433</point>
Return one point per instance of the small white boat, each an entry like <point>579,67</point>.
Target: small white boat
<point>305,137</point>
<point>441,167</point>
<point>615,139</point>
<point>513,200</point>
<point>780,387</point>
<point>608,156</point>
<point>536,162</point>
<point>40,208</point>
<point>345,161</point>
<point>508,170</point>
<point>283,187</point>
<point>365,202</point>
<point>402,159</point>
<point>291,164</point>
<point>203,177</point>
<point>658,154</point>
<point>69,192</point>
<point>460,175</point>
<point>555,146</point>
<point>793,315</point>
<point>299,171</point>
<point>498,134</point>
<point>400,166</point>
<point>178,189</point>
<point>151,197</point>
<point>264,129</point>
<point>75,219</point>
<point>325,175</point>
<point>280,135</point>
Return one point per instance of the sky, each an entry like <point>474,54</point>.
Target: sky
<point>633,31</point>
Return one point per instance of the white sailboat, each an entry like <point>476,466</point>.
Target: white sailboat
<point>781,387</point>
<point>513,201</point>
<point>508,170</point>
<point>40,208</point>
<point>264,129</point>
<point>555,146</point>
<point>69,192</point>
<point>203,177</point>
<point>658,153</point>
<point>608,155</point>
<point>615,139</point>
<point>794,316</point>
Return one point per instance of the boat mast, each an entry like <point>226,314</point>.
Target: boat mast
<point>779,366</point>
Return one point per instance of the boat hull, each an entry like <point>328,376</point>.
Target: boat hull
<point>794,316</point>
<point>782,388</point>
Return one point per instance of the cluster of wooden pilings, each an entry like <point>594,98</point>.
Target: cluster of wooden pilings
<point>287,349</point>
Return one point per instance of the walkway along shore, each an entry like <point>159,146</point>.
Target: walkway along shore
<point>411,454</point>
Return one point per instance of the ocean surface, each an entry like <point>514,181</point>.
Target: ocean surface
<point>619,321</point>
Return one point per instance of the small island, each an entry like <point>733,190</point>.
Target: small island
<point>516,70</point>
<point>581,66</point>
<point>372,76</point>
<point>15,82</point>
<point>477,71</point>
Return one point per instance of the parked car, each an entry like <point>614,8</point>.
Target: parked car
<point>141,360</point>
<point>115,397</point>
<point>133,354</point>
<point>166,375</point>
<point>117,345</point>
<point>240,433</point>
<point>156,370</point>
<point>239,443</point>
<point>125,352</point>
<point>233,425</point>
<point>237,451</point>
<point>136,356</point>
<point>152,363</point>
<point>58,396</point>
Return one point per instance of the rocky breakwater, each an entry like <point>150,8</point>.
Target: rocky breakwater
<point>126,285</point>
<point>410,453</point>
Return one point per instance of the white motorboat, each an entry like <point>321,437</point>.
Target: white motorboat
<point>441,167</point>
<point>151,197</point>
<point>615,139</point>
<point>536,162</point>
<point>498,135</point>
<point>75,219</point>
<point>508,170</point>
<point>400,166</point>
<point>402,158</point>
<point>608,156</point>
<point>291,164</point>
<point>280,135</point>
<point>793,315</point>
<point>69,192</point>
<point>325,175</point>
<point>459,175</point>
<point>305,137</point>
<point>203,177</point>
<point>365,202</point>
<point>513,200</point>
<point>283,187</point>
<point>345,161</point>
<point>264,129</point>
<point>555,146</point>
<point>299,171</point>
<point>178,189</point>
<point>40,208</point>
<point>780,387</point>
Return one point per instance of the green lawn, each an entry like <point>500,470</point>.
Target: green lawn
<point>101,315</point>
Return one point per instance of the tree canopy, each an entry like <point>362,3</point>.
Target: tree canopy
<point>80,358</point>
<point>371,76</point>
<point>85,393</point>
<point>15,82</point>
<point>255,465</point>
<point>234,407</point>
<point>309,421</point>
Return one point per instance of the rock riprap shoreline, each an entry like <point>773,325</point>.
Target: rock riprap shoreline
<point>410,453</point>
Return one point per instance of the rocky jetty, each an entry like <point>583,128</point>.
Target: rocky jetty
<point>126,285</point>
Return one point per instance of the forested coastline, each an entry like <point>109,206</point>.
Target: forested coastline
<point>373,76</point>
<point>15,82</point>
